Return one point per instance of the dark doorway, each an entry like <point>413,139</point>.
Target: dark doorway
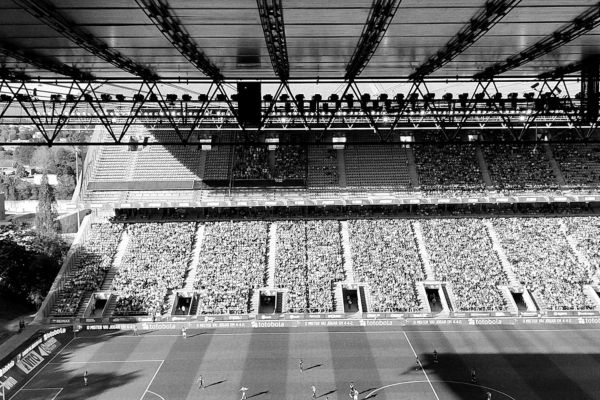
<point>435,303</point>
<point>519,301</point>
<point>183,305</point>
<point>350,300</point>
<point>267,304</point>
<point>97,308</point>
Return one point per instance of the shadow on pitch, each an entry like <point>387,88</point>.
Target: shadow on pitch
<point>258,394</point>
<point>326,394</point>
<point>215,383</point>
<point>313,366</point>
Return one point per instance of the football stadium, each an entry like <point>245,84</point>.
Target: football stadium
<point>300,199</point>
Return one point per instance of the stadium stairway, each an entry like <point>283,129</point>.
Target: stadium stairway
<point>272,246</point>
<point>347,252</point>
<point>506,265</point>
<point>341,168</point>
<point>485,172</point>
<point>416,225</point>
<point>412,167</point>
<point>110,275</point>
<point>110,306</point>
<point>131,163</point>
<point>190,274</point>
<point>581,258</point>
<point>555,168</point>
<point>83,305</point>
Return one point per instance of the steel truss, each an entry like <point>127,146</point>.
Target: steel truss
<point>478,25</point>
<point>583,24</point>
<point>216,113</point>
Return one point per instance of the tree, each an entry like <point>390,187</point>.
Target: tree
<point>23,154</point>
<point>21,172</point>
<point>46,209</point>
<point>66,186</point>
<point>43,158</point>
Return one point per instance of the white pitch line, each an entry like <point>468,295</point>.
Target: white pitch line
<point>56,395</point>
<point>356,332</point>
<point>455,382</point>
<point>152,380</point>
<point>41,369</point>
<point>421,365</point>
<point>105,362</point>
<point>156,394</point>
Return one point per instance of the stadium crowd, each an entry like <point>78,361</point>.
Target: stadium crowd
<point>308,263</point>
<point>519,167</point>
<point>154,262</point>
<point>586,234</point>
<point>385,256</point>
<point>254,163</point>
<point>93,260</point>
<point>460,252</point>
<point>579,163</point>
<point>232,264</point>
<point>544,262</point>
<point>448,167</point>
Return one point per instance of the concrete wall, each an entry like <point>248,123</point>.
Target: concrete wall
<point>69,222</point>
<point>29,206</point>
<point>2,212</point>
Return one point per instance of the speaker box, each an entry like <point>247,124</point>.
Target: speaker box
<point>249,95</point>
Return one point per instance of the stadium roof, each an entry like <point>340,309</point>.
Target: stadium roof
<point>321,37</point>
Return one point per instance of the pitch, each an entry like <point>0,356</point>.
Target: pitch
<point>541,362</point>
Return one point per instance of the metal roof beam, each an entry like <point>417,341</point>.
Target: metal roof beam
<point>45,63</point>
<point>271,18</point>
<point>561,71</point>
<point>479,25</point>
<point>46,13</point>
<point>581,25</point>
<point>381,14</point>
<point>161,15</point>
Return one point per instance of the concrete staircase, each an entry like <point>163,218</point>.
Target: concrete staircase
<point>110,306</point>
<point>418,230</point>
<point>560,178</point>
<point>485,172</point>
<point>412,168</point>
<point>338,298</point>
<point>190,274</point>
<point>202,167</point>
<point>347,252</point>
<point>341,160</point>
<point>131,165</point>
<point>506,265</point>
<point>508,299</point>
<point>581,258</point>
<point>272,246</point>
<point>254,302</point>
<point>114,267</point>
<point>422,296</point>
<point>83,305</point>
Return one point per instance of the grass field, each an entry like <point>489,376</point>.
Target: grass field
<point>525,364</point>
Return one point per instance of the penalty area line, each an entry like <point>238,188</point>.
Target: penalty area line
<point>421,365</point>
<point>152,380</point>
<point>156,394</point>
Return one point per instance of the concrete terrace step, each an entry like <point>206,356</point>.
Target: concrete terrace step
<point>192,270</point>
<point>506,265</point>
<point>418,230</point>
<point>485,172</point>
<point>412,167</point>
<point>347,251</point>
<point>555,167</point>
<point>272,246</point>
